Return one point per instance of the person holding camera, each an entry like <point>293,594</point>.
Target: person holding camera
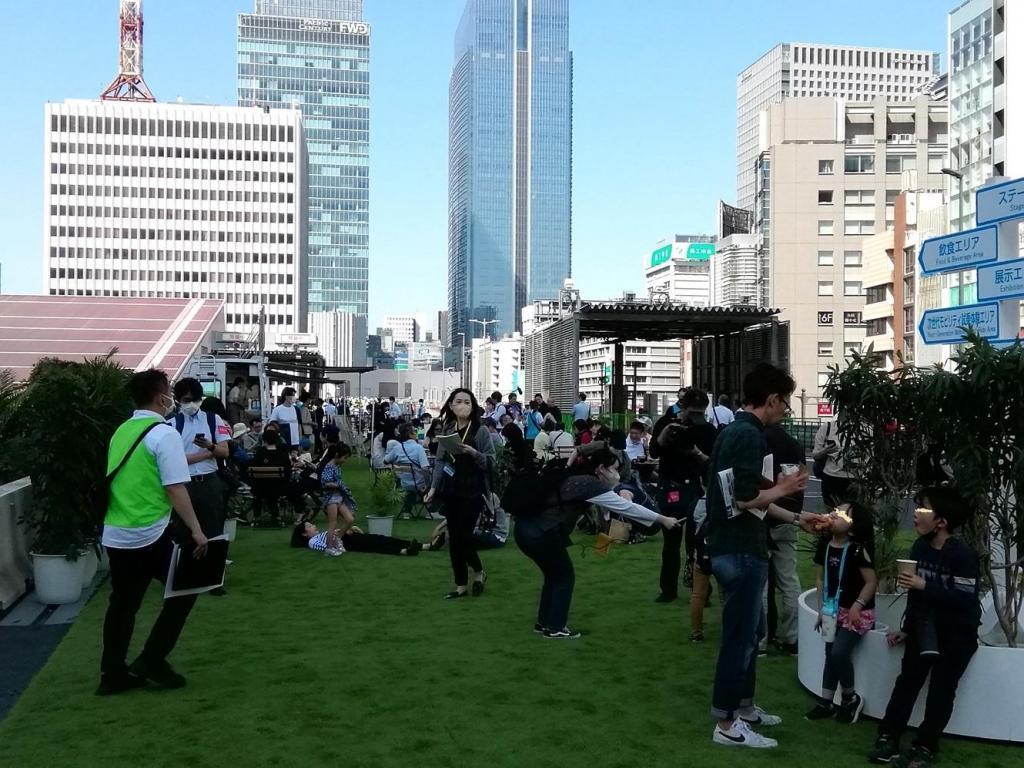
<point>682,447</point>
<point>940,628</point>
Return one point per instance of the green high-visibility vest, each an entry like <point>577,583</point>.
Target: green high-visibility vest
<point>137,497</point>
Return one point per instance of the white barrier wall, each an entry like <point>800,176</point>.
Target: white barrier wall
<point>15,564</point>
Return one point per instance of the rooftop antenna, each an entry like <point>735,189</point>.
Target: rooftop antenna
<point>129,85</point>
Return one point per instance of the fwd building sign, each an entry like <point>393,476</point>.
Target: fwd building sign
<point>327,25</point>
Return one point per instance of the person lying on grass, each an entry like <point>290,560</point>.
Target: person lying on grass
<point>338,499</point>
<point>308,535</point>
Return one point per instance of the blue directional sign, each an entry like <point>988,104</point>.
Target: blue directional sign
<point>960,250</point>
<point>1004,280</point>
<point>945,326</point>
<point>1000,202</point>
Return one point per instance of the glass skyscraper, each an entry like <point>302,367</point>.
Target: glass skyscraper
<point>315,55</point>
<point>510,162</point>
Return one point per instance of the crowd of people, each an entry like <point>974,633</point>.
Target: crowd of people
<point>725,488</point>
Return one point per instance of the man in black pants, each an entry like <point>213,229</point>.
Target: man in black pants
<point>151,480</point>
<point>682,446</point>
<point>940,629</point>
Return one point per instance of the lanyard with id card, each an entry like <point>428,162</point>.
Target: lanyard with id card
<point>830,605</point>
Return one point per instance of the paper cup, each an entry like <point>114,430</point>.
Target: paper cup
<point>908,567</point>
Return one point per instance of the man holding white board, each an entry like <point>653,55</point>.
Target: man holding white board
<point>739,497</point>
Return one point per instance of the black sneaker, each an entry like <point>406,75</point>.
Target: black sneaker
<point>455,595</point>
<point>789,649</point>
<point>414,548</point>
<point>539,629</point>
<point>112,683</point>
<point>920,757</point>
<point>478,586</point>
<point>821,711</point>
<point>663,598</point>
<point>561,634</point>
<point>159,674</point>
<point>884,750</point>
<point>696,636</point>
<point>850,709</point>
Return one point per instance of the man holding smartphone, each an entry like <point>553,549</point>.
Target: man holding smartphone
<point>204,436</point>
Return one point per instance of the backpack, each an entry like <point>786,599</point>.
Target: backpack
<point>530,485</point>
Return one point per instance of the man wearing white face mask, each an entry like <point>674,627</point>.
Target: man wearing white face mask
<point>204,436</point>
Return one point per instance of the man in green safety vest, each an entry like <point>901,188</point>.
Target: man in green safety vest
<point>150,479</point>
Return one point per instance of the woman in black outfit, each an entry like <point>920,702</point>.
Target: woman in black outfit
<point>461,478</point>
<point>544,536</point>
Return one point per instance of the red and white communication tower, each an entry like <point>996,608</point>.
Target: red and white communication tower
<point>129,85</point>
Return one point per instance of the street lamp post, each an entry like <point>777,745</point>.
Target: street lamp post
<point>959,177</point>
<point>484,323</point>
<point>462,363</point>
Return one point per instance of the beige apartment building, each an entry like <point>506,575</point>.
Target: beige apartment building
<point>828,176</point>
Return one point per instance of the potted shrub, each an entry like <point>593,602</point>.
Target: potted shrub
<point>60,432</point>
<point>385,502</point>
<point>979,421</point>
<point>879,422</point>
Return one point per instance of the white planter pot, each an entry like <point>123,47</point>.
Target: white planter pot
<point>379,525</point>
<point>57,579</point>
<point>988,701</point>
<point>230,529</point>
<point>90,564</point>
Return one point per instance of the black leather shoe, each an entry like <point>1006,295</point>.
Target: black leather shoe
<point>159,674</point>
<point>113,683</point>
<point>663,598</point>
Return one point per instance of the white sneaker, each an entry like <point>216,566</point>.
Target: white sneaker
<point>761,718</point>
<point>740,735</point>
<point>334,552</point>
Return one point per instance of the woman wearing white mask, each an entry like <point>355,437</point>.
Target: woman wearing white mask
<point>465,457</point>
<point>286,415</point>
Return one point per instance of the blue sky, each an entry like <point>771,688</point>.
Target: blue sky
<point>654,114</point>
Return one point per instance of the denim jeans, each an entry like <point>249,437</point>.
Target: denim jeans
<point>548,550</point>
<point>741,579</point>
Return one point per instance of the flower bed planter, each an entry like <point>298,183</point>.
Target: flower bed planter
<point>988,701</point>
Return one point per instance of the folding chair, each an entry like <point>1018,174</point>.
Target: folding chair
<point>268,485</point>
<point>377,472</point>
<point>419,508</point>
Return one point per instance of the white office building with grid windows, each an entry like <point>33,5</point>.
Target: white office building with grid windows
<point>807,69</point>
<point>178,201</point>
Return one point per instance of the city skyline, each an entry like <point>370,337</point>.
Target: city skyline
<point>653,159</point>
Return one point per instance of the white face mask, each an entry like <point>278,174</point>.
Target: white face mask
<point>190,409</point>
<point>462,410</point>
<point>168,407</point>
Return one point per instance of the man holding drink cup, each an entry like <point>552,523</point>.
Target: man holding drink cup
<point>940,628</point>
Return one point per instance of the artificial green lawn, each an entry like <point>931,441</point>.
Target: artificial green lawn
<point>356,661</point>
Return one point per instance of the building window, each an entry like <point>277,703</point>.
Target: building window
<point>854,227</point>
<point>826,167</point>
<point>826,227</point>
<point>859,197</point>
<point>853,288</point>
<point>852,258</point>
<point>859,164</point>
<point>900,163</point>
<point>826,288</point>
<point>823,378</point>
<point>824,349</point>
<point>875,327</point>
<point>825,259</point>
<point>935,163</point>
<point>853,348</point>
<point>825,197</point>
<point>876,294</point>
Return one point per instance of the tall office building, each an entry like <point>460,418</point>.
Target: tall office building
<point>829,177</point>
<point>178,201</point>
<point>801,69</point>
<point>405,329</point>
<point>510,161</point>
<point>341,337</point>
<point>315,54</point>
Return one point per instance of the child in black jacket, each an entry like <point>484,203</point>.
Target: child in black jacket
<point>940,629</point>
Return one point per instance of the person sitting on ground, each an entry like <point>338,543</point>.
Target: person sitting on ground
<point>338,501</point>
<point>846,606</point>
<point>305,534</point>
<point>544,536</point>
<point>636,443</point>
<point>583,432</point>
<point>940,629</point>
<point>254,438</point>
<point>414,477</point>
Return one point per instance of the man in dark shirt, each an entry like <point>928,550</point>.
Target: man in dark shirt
<point>940,629</point>
<point>738,499</point>
<point>684,446</point>
<point>783,579</point>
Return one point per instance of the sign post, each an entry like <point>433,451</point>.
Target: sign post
<point>993,248</point>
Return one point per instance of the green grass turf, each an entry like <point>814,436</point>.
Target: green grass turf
<point>357,661</point>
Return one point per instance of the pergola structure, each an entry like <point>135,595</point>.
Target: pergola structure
<point>552,352</point>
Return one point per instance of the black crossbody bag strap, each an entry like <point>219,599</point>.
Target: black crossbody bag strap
<point>139,439</point>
